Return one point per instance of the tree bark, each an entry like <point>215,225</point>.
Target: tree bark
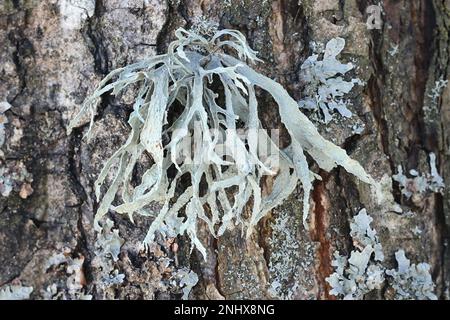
<point>53,55</point>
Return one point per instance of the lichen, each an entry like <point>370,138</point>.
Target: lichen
<point>325,86</point>
<point>107,250</point>
<point>420,183</point>
<point>109,242</point>
<point>410,281</point>
<point>157,276</point>
<point>227,159</point>
<point>74,286</point>
<point>393,51</point>
<point>434,94</point>
<point>188,280</point>
<point>15,292</point>
<point>362,272</point>
<point>363,235</point>
<point>4,106</point>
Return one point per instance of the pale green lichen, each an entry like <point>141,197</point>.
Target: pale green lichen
<point>190,75</point>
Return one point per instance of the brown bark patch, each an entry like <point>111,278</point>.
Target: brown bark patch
<point>318,232</point>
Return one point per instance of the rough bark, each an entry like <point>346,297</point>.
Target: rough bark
<point>53,53</point>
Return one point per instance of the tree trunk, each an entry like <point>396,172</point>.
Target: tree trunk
<point>55,52</point>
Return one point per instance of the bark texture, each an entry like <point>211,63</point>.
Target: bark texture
<point>54,53</point>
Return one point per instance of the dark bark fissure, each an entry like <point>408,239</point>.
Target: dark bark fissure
<point>217,274</point>
<point>94,38</point>
<point>74,171</point>
<point>24,48</point>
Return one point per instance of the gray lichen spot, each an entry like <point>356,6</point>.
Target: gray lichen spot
<point>286,256</point>
<point>431,109</point>
<point>393,51</point>
<point>73,12</point>
<point>363,235</point>
<point>436,92</point>
<point>204,26</point>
